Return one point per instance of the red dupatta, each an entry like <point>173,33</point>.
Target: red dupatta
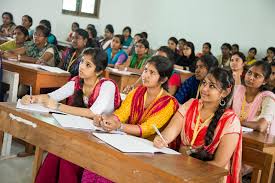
<point>139,114</point>
<point>226,118</point>
<point>95,92</point>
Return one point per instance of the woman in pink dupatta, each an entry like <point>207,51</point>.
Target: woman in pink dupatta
<point>88,96</point>
<point>254,105</point>
<point>144,106</point>
<point>209,131</point>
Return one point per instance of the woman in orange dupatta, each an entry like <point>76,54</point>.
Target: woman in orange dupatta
<point>209,131</point>
<point>144,106</point>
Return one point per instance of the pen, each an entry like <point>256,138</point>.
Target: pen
<point>159,134</point>
<point>31,92</point>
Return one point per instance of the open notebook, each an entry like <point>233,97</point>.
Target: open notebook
<point>78,122</point>
<point>121,72</point>
<point>34,107</point>
<point>46,68</point>
<point>131,144</point>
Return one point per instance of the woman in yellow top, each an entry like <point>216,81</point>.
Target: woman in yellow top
<point>144,106</point>
<point>21,36</point>
<point>250,59</point>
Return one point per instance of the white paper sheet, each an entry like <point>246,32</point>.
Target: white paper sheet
<point>245,129</point>
<point>80,123</point>
<point>131,144</point>
<point>46,68</point>
<point>34,107</point>
<point>76,122</point>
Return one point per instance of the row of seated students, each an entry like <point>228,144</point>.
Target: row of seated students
<point>222,100</point>
<point>218,137</point>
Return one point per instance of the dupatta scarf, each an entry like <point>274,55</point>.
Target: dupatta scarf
<point>95,92</point>
<point>139,114</point>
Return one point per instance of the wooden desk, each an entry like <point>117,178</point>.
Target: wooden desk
<point>122,80</point>
<point>35,77</point>
<point>262,142</point>
<point>87,151</point>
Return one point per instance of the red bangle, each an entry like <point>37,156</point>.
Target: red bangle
<point>140,130</point>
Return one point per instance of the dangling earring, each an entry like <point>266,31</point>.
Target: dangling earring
<point>222,102</point>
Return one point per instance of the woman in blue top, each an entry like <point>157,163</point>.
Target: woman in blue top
<point>51,38</point>
<point>116,55</point>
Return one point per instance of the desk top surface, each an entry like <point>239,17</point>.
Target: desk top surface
<point>263,139</point>
<point>180,167</point>
<point>23,66</point>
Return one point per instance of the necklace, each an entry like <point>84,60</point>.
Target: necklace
<point>71,61</point>
<point>145,96</point>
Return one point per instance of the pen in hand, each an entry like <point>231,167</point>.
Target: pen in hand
<point>159,134</point>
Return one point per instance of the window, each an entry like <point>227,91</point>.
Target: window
<point>86,8</point>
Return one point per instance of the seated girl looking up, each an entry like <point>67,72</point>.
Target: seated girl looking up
<point>88,95</point>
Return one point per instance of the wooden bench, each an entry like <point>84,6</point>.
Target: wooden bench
<point>261,163</point>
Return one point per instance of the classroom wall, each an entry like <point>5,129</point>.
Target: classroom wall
<point>247,22</point>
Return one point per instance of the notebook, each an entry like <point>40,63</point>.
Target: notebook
<point>131,144</point>
<point>76,122</point>
<point>80,123</point>
<point>123,72</point>
<point>46,68</point>
<point>34,107</point>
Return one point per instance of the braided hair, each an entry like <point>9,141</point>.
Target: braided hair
<point>226,80</point>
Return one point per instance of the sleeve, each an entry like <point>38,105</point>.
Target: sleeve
<point>63,92</point>
<point>183,108</point>
<point>49,50</point>
<point>234,126</point>
<point>159,119</point>
<point>124,111</point>
<point>10,45</point>
<point>184,91</point>
<point>104,103</point>
<point>174,80</point>
<point>268,109</point>
<point>121,59</point>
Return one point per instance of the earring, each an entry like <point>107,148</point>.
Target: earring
<point>222,103</point>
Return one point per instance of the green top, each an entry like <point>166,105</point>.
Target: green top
<point>138,64</point>
<point>9,45</point>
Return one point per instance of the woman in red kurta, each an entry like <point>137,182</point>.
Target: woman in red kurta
<point>209,130</point>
